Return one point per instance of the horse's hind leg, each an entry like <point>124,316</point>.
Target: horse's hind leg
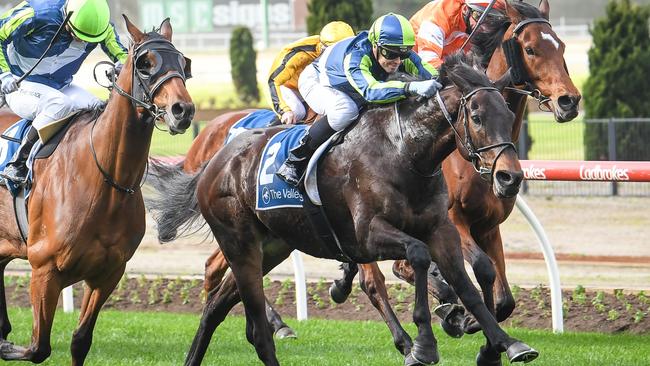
<point>5,325</point>
<point>45,288</point>
<point>95,295</point>
<point>446,251</point>
<point>216,267</point>
<point>373,284</point>
<point>451,314</point>
<point>340,289</point>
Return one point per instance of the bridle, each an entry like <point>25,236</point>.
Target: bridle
<point>170,63</point>
<point>512,52</point>
<point>477,160</point>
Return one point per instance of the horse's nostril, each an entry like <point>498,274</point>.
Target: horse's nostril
<point>183,110</point>
<point>507,178</point>
<point>567,102</point>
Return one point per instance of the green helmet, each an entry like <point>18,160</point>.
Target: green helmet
<point>90,19</point>
<point>392,30</point>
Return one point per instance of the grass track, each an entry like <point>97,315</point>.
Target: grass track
<point>130,338</point>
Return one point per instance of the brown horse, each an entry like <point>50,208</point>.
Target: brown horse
<point>391,208</point>
<point>86,212</point>
<point>7,118</point>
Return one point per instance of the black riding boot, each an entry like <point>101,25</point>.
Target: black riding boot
<point>293,169</point>
<point>16,170</point>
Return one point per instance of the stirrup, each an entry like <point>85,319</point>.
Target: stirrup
<point>12,173</point>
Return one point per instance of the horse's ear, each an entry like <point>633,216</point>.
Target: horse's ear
<point>457,80</point>
<point>166,29</point>
<point>135,33</point>
<point>544,8</point>
<point>511,12</point>
<point>504,80</point>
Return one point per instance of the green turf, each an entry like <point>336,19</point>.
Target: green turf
<point>129,338</point>
<point>555,141</point>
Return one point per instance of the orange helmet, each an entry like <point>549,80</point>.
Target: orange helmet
<point>498,9</point>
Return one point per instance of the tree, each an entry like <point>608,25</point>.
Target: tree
<point>619,65</point>
<point>357,13</point>
<point>242,62</point>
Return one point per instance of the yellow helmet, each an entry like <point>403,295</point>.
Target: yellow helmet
<point>333,32</point>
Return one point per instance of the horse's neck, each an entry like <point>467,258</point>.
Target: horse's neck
<point>121,140</point>
<point>516,101</point>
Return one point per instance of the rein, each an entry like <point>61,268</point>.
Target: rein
<point>512,52</point>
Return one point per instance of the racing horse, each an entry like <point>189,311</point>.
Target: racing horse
<point>525,43</point>
<point>86,211</point>
<point>394,207</point>
<point>543,76</point>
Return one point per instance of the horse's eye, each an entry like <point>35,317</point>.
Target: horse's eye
<point>530,51</point>
<point>476,119</point>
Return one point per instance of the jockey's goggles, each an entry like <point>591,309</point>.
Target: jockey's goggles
<point>476,15</point>
<point>391,54</point>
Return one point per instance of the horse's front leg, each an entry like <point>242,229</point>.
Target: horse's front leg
<point>446,251</point>
<point>5,325</point>
<point>386,239</point>
<point>45,287</point>
<point>340,289</point>
<point>493,246</point>
<point>373,284</point>
<point>96,292</point>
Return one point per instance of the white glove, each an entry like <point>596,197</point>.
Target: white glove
<point>288,118</point>
<point>425,88</point>
<point>9,83</point>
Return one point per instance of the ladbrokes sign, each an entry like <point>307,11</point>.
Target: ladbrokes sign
<point>608,174</point>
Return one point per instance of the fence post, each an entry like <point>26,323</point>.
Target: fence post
<point>611,144</point>
<point>522,146</point>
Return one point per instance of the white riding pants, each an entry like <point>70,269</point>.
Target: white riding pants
<point>294,101</point>
<point>43,104</point>
<point>340,109</point>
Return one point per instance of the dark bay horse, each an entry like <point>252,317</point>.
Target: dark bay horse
<point>379,193</point>
<point>476,212</point>
<point>86,211</point>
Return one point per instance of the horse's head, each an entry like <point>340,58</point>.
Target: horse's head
<point>484,125</point>
<point>534,53</point>
<point>157,72</point>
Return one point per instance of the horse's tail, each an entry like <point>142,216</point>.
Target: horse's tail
<point>175,207</point>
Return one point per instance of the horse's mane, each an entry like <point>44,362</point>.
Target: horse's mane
<point>465,67</point>
<point>485,43</point>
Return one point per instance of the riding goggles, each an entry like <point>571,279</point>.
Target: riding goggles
<point>390,54</point>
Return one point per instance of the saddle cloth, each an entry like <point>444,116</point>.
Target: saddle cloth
<point>273,192</point>
<point>258,119</point>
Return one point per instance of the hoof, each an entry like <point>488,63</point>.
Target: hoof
<point>471,326</point>
<point>451,319</point>
<point>488,358</point>
<point>411,360</point>
<point>521,352</point>
<point>285,332</point>
<point>9,351</point>
<point>337,294</point>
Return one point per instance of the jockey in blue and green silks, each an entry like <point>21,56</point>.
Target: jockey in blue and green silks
<point>351,73</point>
<point>48,94</point>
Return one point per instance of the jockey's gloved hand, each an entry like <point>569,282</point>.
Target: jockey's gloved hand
<point>9,82</point>
<point>289,118</point>
<point>425,88</point>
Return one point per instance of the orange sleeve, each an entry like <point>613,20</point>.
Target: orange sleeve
<point>436,25</point>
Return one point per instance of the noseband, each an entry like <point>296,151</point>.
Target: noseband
<point>512,51</point>
<point>473,152</point>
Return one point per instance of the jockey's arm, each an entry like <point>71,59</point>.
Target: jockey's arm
<point>18,24</point>
<point>364,82</point>
<point>285,71</point>
<point>430,43</point>
<point>112,46</point>
<point>415,66</point>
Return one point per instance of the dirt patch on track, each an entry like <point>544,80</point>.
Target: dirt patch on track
<point>584,310</point>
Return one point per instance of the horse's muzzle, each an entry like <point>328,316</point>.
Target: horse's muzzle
<point>566,108</point>
<point>182,113</point>
<point>506,183</point>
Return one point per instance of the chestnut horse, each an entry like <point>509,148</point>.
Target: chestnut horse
<point>86,211</point>
<point>380,193</point>
<point>477,213</point>
<point>7,118</point>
